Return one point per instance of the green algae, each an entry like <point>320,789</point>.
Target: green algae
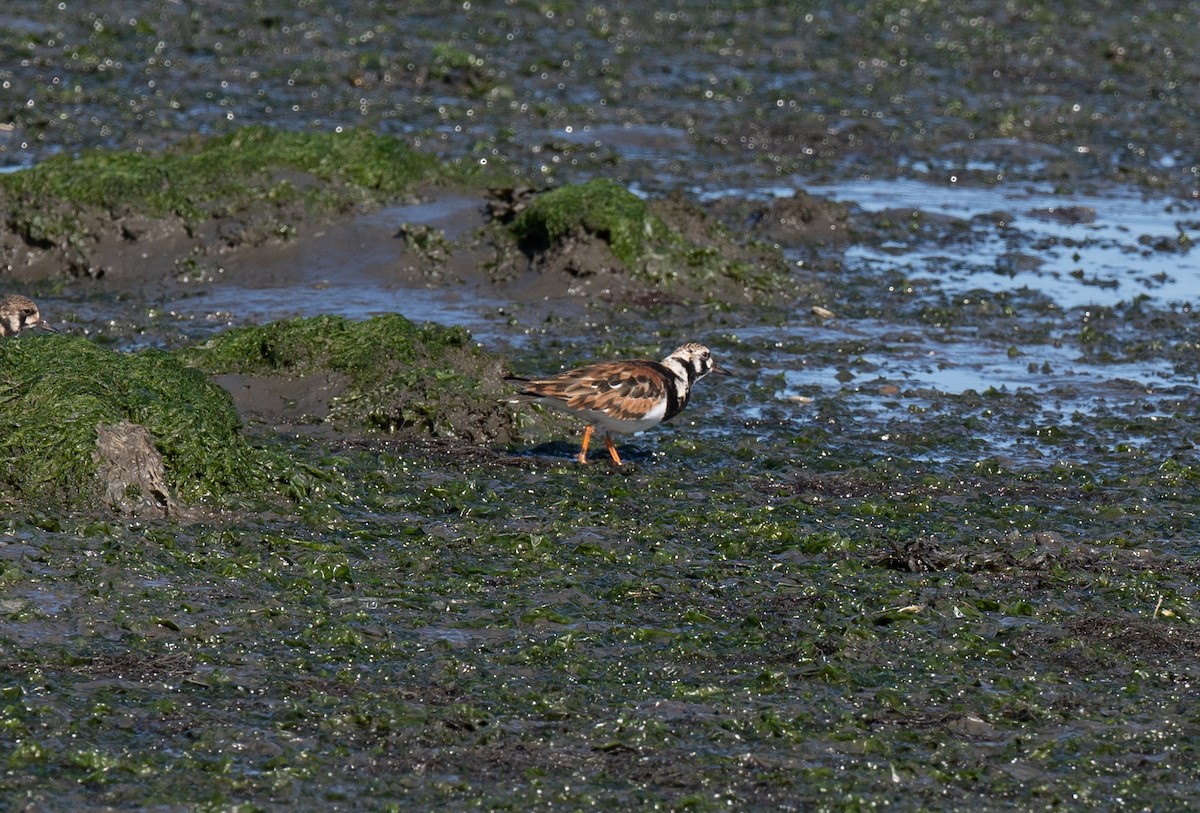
<point>598,207</point>
<point>56,390</point>
<point>455,66</point>
<point>596,640</point>
<point>666,244</point>
<point>399,375</point>
<point>226,173</point>
<point>200,179</point>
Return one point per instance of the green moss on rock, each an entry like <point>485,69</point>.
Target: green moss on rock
<point>398,374</point>
<point>599,207</point>
<point>56,390</point>
<point>667,244</point>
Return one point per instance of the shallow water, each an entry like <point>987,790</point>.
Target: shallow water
<point>951,364</point>
<point>356,273</point>
<point>1090,249</point>
<point>894,379</point>
<point>346,295</point>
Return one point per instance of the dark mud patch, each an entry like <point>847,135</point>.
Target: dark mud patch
<point>284,403</point>
<point>125,249</point>
<point>801,221</point>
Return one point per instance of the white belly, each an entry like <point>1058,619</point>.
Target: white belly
<point>607,424</point>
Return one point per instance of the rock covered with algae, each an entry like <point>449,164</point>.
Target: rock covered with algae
<point>598,207</point>
<point>81,426</point>
<point>667,245</point>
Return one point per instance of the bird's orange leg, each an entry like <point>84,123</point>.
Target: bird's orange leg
<point>587,436</point>
<point>612,450</point>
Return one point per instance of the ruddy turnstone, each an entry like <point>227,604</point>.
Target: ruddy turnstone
<point>19,312</point>
<point>622,396</point>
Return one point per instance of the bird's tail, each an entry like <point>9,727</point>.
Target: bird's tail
<point>518,397</point>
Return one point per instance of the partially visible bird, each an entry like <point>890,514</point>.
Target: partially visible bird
<point>19,312</point>
<point>622,397</point>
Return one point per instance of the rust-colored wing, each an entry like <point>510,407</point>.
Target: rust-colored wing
<point>619,389</point>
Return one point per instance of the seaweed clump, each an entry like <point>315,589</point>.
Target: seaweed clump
<point>670,245</point>
<point>392,374</point>
<point>59,395</point>
<point>599,207</point>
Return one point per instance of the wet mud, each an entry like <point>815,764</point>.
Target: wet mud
<point>934,544</point>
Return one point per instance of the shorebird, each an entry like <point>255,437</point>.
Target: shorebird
<point>19,312</point>
<point>622,397</point>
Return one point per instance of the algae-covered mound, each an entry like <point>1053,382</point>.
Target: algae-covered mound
<point>388,373</point>
<point>599,207</point>
<point>260,182</point>
<point>202,178</point>
<point>667,245</point>
<point>61,395</point>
